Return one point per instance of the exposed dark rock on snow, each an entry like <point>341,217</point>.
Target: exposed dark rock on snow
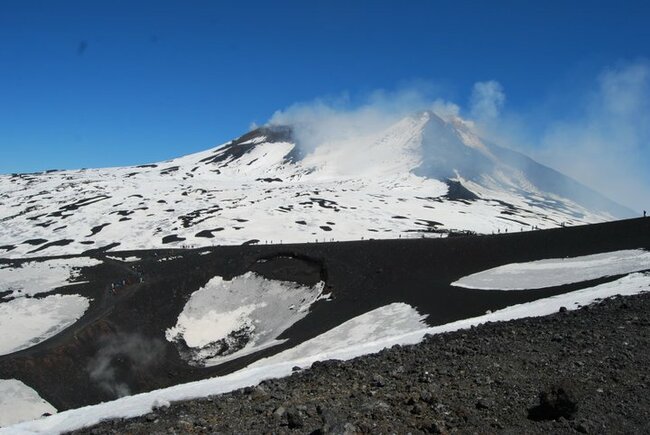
<point>457,191</point>
<point>55,243</point>
<point>482,380</point>
<point>84,202</point>
<point>35,241</point>
<point>172,238</point>
<point>96,229</point>
<point>246,143</point>
<point>208,233</point>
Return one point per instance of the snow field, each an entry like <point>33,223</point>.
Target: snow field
<point>30,319</point>
<point>557,271</point>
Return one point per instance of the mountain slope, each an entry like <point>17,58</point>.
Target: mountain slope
<point>421,176</point>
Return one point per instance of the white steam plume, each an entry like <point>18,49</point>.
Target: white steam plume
<point>605,144</point>
<point>119,358</point>
<point>324,121</point>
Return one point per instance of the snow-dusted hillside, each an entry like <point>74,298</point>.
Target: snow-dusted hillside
<point>421,176</point>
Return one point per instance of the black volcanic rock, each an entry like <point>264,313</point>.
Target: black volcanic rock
<point>35,241</point>
<point>63,242</point>
<point>96,229</point>
<point>172,238</point>
<point>458,191</point>
<point>558,400</point>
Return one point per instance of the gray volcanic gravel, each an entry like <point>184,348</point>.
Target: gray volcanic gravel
<point>583,371</point>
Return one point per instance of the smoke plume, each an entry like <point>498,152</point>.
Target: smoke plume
<point>120,358</point>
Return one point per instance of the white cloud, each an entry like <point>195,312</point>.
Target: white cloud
<point>607,145</point>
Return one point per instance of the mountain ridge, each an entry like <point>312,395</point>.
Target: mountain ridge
<point>269,186</point>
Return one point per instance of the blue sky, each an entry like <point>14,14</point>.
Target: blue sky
<point>86,84</point>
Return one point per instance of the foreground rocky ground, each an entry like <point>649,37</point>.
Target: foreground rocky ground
<point>583,371</point>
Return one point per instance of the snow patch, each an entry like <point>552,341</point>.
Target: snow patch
<point>557,271</point>
<point>18,402</point>
<point>377,325</point>
<point>32,320</point>
<point>33,277</point>
<point>125,259</point>
<point>171,258</point>
<point>228,319</point>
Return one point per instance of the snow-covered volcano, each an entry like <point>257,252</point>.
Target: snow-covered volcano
<point>96,326</point>
<point>423,175</point>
